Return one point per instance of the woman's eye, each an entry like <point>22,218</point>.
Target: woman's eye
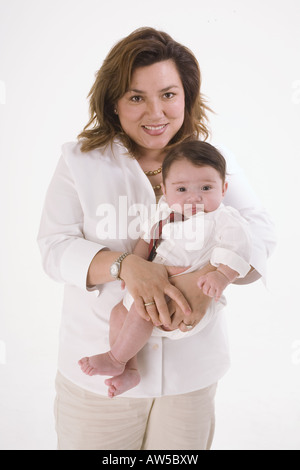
<point>169,95</point>
<point>136,99</point>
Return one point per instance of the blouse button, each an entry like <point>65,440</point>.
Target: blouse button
<point>155,346</point>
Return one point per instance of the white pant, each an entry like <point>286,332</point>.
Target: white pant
<point>87,421</point>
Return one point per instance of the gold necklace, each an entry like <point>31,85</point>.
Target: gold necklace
<point>153,172</point>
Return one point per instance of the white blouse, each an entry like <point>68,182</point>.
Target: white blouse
<point>95,201</point>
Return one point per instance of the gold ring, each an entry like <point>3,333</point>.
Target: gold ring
<point>149,303</point>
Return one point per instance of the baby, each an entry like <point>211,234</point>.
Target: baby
<point>191,227</point>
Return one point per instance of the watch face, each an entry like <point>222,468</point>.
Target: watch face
<point>114,270</point>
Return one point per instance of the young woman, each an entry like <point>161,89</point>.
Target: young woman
<point>145,99</point>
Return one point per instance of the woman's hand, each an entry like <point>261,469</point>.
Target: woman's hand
<point>148,283</point>
<point>187,284</point>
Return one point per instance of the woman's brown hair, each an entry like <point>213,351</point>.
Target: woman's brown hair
<point>143,47</point>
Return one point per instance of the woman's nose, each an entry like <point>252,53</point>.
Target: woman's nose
<point>155,108</point>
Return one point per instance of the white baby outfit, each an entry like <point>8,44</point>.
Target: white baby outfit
<point>217,237</point>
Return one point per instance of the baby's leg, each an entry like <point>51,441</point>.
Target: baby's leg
<point>106,363</point>
<point>132,337</point>
<point>130,377</point>
<point>127,337</point>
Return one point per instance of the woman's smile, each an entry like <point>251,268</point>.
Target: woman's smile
<point>155,130</point>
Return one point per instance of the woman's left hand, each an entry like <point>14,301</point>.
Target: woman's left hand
<point>199,302</point>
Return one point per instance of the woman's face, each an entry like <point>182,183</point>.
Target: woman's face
<point>152,111</point>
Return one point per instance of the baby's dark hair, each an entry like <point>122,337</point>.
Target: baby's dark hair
<point>198,153</point>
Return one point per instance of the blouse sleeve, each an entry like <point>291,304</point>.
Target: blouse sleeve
<point>241,196</point>
<point>66,254</point>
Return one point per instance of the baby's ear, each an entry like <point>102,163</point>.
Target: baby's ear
<point>225,187</point>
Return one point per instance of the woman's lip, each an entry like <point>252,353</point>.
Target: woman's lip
<point>153,127</point>
<point>154,130</point>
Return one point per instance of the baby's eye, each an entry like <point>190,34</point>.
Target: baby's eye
<point>206,188</point>
<point>181,189</point>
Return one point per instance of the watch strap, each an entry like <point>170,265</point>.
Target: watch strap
<point>119,261</point>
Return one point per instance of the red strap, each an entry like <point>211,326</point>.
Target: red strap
<point>157,235</point>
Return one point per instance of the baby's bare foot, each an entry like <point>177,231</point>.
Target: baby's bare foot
<point>101,364</point>
<point>119,384</point>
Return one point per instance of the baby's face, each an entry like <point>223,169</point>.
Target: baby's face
<point>189,188</point>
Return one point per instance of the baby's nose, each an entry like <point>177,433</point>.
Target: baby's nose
<point>195,197</point>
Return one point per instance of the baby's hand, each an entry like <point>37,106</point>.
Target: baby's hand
<point>213,284</point>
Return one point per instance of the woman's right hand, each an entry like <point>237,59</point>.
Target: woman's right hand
<point>148,282</point>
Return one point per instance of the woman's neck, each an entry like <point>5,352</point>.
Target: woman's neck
<point>151,160</point>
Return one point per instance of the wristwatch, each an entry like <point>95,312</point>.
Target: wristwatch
<point>116,266</point>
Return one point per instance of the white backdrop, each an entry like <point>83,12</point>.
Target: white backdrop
<point>249,56</point>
